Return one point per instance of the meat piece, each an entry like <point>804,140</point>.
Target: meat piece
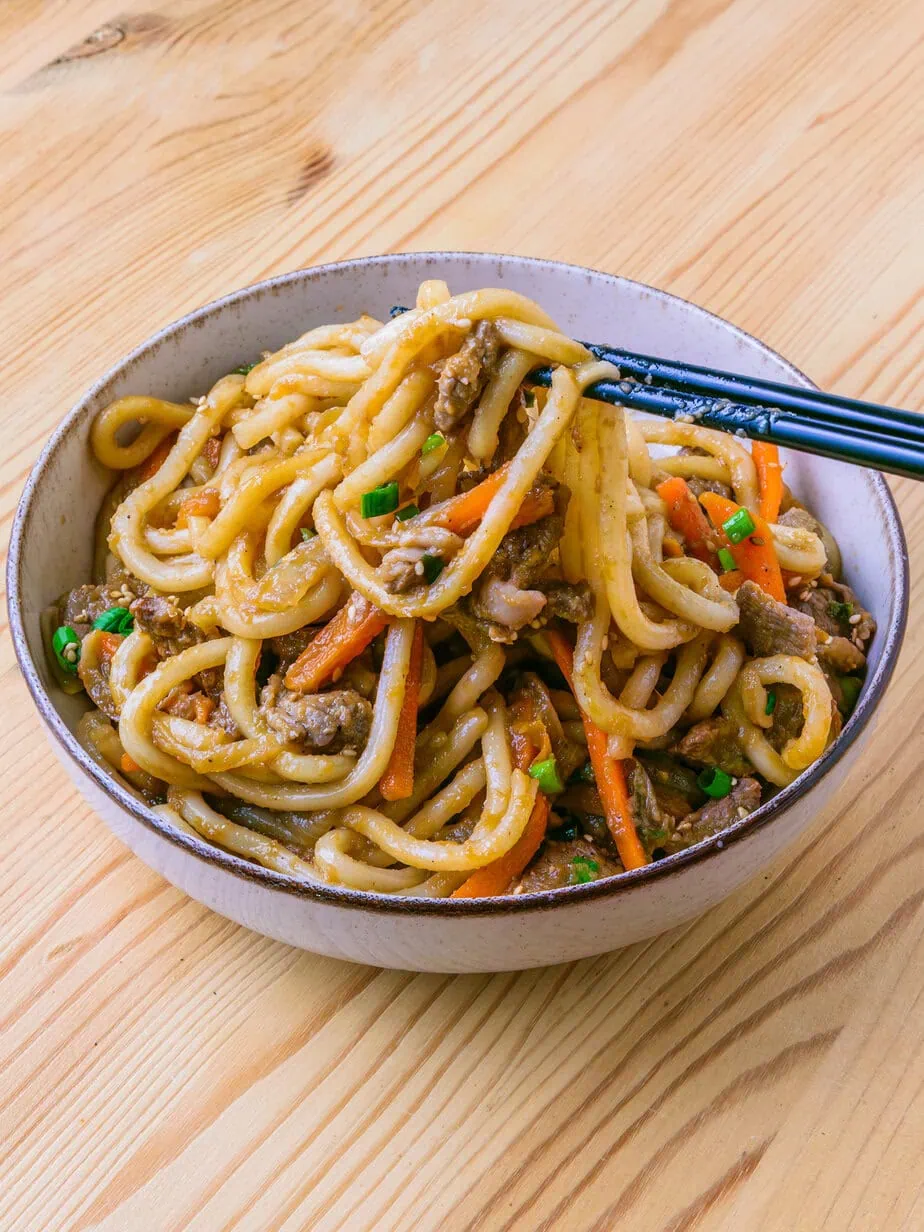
<point>506,607</point>
<point>841,656</point>
<point>402,567</point>
<point>93,669</point>
<point>504,598</point>
<point>836,610</point>
<point>675,785</point>
<point>697,485</point>
<point>769,627</point>
<point>465,375</point>
<point>574,603</point>
<point>788,716</point>
<point>166,624</point>
<point>646,808</point>
<point>715,816</point>
<point>222,718</point>
<point>803,520</point>
<point>81,606</point>
<point>554,866</point>
<point>328,722</point>
<point>714,742</point>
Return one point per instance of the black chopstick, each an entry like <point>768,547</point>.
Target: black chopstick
<point>809,420</point>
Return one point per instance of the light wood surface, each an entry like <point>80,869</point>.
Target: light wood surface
<point>761,1068</point>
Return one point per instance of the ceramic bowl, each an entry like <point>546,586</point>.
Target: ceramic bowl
<point>51,552</point>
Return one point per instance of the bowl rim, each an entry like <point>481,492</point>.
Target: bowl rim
<point>392,905</point>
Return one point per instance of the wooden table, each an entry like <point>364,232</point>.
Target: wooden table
<point>759,1069</point>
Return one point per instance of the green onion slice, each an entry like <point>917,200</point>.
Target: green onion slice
<point>380,500</point>
<point>583,869</point>
<point>115,620</point>
<point>726,560</point>
<point>850,688</point>
<point>715,782</point>
<point>434,441</point>
<point>66,645</point>
<point>409,511</point>
<point>432,567</point>
<point>739,526</point>
<point>546,774</point>
<point>244,369</point>
<point>771,702</point>
<point>307,533</point>
<point>841,611</point>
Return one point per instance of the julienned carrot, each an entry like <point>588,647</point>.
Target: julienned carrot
<point>731,580</point>
<point>755,556</point>
<point>397,783</point>
<point>155,460</point>
<point>494,878</point>
<point>686,516</point>
<point>769,477</point>
<point>611,780</point>
<point>462,513</point>
<point>338,643</point>
<point>128,764</point>
<point>203,504</point>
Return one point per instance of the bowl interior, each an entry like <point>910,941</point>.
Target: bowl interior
<point>51,547</point>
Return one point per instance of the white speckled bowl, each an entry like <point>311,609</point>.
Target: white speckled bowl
<point>51,551</point>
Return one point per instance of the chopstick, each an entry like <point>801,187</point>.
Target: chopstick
<point>809,420</point>
<point>845,429</point>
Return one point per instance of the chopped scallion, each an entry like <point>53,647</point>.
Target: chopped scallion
<point>771,702</point>
<point>546,774</point>
<point>432,567</point>
<point>380,500</point>
<point>739,526</point>
<point>850,691</point>
<point>66,645</point>
<point>840,611</point>
<point>244,369</point>
<point>115,620</point>
<point>726,560</point>
<point>715,782</point>
<point>583,869</point>
<point>409,511</point>
<point>434,441</point>
<point>307,533</point>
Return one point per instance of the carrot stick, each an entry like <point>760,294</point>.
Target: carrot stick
<point>397,783</point>
<point>462,513</point>
<point>344,637</point>
<point>769,477</point>
<point>686,516</point>
<point>494,878</point>
<point>128,764</point>
<point>754,556</point>
<point>155,460</point>
<point>204,504</point>
<point>611,779</point>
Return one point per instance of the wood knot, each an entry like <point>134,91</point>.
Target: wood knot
<point>137,29</point>
<point>317,163</point>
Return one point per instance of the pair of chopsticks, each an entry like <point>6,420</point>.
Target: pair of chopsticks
<point>863,433</point>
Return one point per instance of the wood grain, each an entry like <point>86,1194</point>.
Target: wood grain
<point>760,1068</point>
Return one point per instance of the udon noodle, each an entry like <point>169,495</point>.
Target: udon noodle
<point>380,612</point>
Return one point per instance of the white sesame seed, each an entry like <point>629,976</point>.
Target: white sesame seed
<point>518,889</point>
<point>804,596</point>
<point>606,641</point>
<point>418,568</point>
<point>794,582</point>
<point>742,812</point>
<point>855,619</point>
<point>588,838</point>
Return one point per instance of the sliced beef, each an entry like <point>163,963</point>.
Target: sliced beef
<point>714,742</point>
<point>465,375</point>
<point>803,520</point>
<point>841,656</point>
<point>836,610</point>
<point>788,716</point>
<point>769,627</point>
<point>289,646</point>
<point>505,598</point>
<point>555,866</point>
<point>715,816</point>
<point>166,624</point>
<point>646,808</point>
<point>697,485</point>
<point>328,722</point>
<point>567,601</point>
<point>676,789</point>
<point>222,718</point>
<point>81,606</point>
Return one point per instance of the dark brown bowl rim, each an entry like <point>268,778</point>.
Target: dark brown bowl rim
<point>622,883</point>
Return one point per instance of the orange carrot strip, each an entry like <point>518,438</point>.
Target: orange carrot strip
<point>108,644</point>
<point>344,637</point>
<point>769,477</point>
<point>397,783</point>
<point>611,779</point>
<point>204,504</point>
<point>686,516</point>
<point>754,556</point>
<point>731,580</point>
<point>128,763</point>
<point>155,460</point>
<point>462,513</point>
<point>494,878</point>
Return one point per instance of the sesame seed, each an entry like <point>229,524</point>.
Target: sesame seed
<point>518,889</point>
<point>588,838</point>
<point>418,568</point>
<point>742,813</point>
<point>855,619</point>
<point>794,582</point>
<point>804,596</point>
<point>606,641</point>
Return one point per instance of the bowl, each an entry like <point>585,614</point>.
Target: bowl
<point>51,552</point>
